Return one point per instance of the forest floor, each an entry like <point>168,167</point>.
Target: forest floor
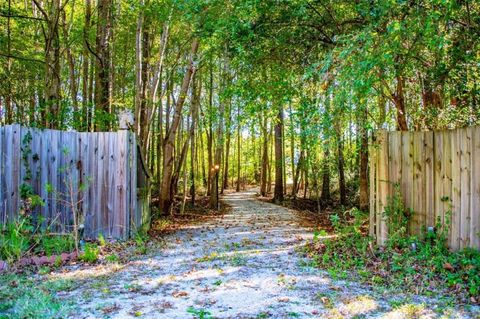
<point>245,264</point>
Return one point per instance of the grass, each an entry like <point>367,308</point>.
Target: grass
<point>22,296</point>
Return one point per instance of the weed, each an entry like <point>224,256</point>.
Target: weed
<point>238,260</point>
<point>101,240</point>
<point>15,239</point>
<point>211,257</point>
<point>141,243</point>
<point>112,258</point>
<point>90,255</point>
<point>54,244</point>
<point>199,313</point>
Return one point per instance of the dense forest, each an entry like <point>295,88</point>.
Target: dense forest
<point>283,94</point>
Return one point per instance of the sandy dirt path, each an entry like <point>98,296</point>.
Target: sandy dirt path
<point>244,265</point>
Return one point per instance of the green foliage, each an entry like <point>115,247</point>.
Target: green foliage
<point>427,269</point>
<point>199,313</point>
<point>112,258</point>
<point>23,297</point>
<point>21,237</point>
<point>141,239</point>
<point>90,254</point>
<point>15,239</point>
<point>396,217</point>
<point>101,240</point>
<point>54,244</point>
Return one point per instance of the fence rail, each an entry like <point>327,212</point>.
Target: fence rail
<point>98,173</point>
<point>438,173</point>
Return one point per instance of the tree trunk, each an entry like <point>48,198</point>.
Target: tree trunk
<point>52,97</point>
<point>102,64</point>
<point>166,194</point>
<point>238,149</point>
<point>195,102</point>
<point>341,170</point>
<point>326,174</point>
<point>227,147</point>
<point>85,66</point>
<point>8,97</point>
<point>399,99</point>
<point>71,69</point>
<point>278,191</point>
<point>218,157</point>
<point>363,174</point>
<point>263,184</point>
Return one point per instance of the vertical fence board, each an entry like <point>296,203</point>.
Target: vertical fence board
<point>3,212</point>
<point>456,189</point>
<point>373,193</point>
<point>465,193</point>
<point>406,185</point>
<point>111,198</point>
<point>383,185</point>
<point>429,172</point>
<point>120,181</point>
<point>475,189</point>
<point>418,199</point>
<point>93,174</point>
<point>395,158</point>
<point>438,176</point>
<point>447,179</point>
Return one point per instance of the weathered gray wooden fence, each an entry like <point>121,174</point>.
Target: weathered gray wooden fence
<point>100,174</point>
<point>439,177</point>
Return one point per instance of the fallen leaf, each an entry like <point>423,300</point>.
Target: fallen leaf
<point>178,294</point>
<point>449,267</point>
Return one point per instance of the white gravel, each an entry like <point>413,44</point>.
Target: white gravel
<point>243,265</point>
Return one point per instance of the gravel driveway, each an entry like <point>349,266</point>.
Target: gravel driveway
<point>244,265</point>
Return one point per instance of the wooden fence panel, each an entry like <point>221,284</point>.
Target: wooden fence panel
<point>439,177</point>
<point>95,173</point>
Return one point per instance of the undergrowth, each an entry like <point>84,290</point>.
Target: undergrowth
<point>21,237</point>
<point>415,264</point>
<point>22,296</point>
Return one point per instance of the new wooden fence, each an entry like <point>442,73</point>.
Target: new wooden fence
<point>439,175</point>
<point>98,173</point>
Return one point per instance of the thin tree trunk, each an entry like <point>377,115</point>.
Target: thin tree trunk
<point>85,66</point>
<point>218,157</point>
<point>227,148</point>
<point>238,148</point>
<point>399,99</point>
<point>102,65</point>
<point>166,194</point>
<point>263,185</point>
<point>71,69</point>
<point>196,92</point>
<point>278,191</point>
<point>326,174</point>
<point>363,168</point>
<point>51,14</point>
<point>341,170</point>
